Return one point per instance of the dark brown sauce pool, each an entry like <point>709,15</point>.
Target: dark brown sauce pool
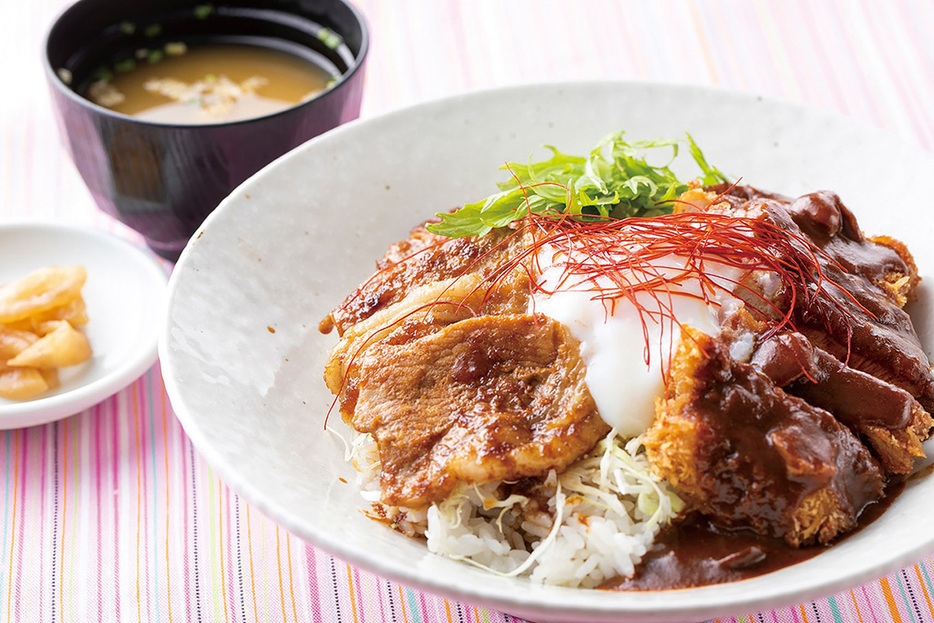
<point>695,552</point>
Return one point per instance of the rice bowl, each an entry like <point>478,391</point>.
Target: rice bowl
<point>292,472</point>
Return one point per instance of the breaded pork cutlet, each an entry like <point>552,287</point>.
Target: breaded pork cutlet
<point>747,454</point>
<point>861,322</point>
<point>891,422</point>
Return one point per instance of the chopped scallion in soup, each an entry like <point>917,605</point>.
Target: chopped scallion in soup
<point>208,84</point>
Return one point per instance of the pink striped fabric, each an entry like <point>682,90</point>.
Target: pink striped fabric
<point>112,515</point>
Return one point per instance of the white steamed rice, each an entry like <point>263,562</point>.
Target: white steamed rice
<point>591,523</point>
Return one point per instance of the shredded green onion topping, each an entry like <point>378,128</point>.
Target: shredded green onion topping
<point>127,64</point>
<point>614,181</point>
<point>329,38</point>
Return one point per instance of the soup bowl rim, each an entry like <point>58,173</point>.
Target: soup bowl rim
<point>54,79</point>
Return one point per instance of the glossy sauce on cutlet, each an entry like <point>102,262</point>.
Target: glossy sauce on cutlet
<point>765,452</point>
<point>833,228</point>
<point>855,398</point>
<point>858,324</point>
<point>696,552</point>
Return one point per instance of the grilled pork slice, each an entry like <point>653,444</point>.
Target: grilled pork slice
<point>422,258</point>
<point>481,400</point>
<point>892,422</point>
<point>426,308</point>
<point>747,454</point>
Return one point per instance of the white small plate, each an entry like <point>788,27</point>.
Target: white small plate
<point>124,295</point>
<point>292,242</point>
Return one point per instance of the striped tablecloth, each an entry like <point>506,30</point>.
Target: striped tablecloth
<point>112,515</point>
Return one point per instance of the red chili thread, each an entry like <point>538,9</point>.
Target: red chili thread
<point>638,254</point>
<point>621,249</point>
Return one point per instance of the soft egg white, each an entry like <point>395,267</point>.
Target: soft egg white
<point>626,343</point>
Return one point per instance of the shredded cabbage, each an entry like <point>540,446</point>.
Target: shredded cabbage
<point>610,493</point>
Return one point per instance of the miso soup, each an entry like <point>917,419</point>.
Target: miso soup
<point>208,84</point>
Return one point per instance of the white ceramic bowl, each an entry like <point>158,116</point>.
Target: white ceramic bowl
<point>293,241</point>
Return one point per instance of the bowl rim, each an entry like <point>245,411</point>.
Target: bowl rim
<point>56,82</point>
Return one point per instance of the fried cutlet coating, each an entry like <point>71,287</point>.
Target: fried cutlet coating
<point>746,454</point>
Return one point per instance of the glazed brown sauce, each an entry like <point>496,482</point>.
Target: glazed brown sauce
<point>855,398</point>
<point>762,452</point>
<point>697,553</point>
<point>884,338</point>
